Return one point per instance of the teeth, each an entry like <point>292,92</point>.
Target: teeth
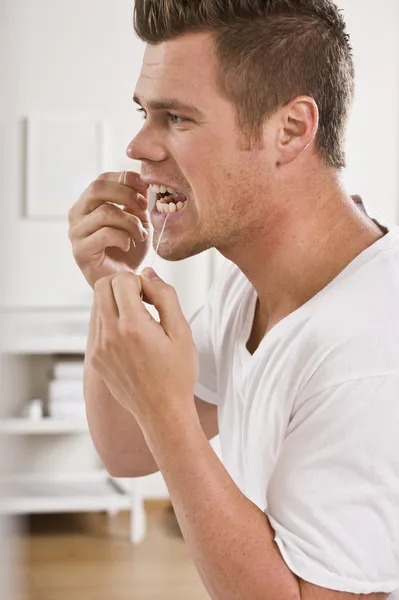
<point>163,207</point>
<point>162,189</point>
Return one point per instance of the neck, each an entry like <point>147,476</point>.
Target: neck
<point>304,242</point>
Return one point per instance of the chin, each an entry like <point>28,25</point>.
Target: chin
<point>181,252</point>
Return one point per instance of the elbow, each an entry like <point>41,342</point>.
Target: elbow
<point>118,470</point>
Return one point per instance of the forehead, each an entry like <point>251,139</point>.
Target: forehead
<point>185,67</point>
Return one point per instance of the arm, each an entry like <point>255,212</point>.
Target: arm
<point>151,369</point>
<point>230,539</point>
<point>115,432</point>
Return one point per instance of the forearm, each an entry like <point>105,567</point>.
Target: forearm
<point>115,432</point>
<point>230,539</point>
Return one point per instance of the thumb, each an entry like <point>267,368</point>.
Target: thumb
<point>165,300</point>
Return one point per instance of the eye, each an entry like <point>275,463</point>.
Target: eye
<point>176,119</point>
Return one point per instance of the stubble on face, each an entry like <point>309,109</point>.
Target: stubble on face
<point>219,175</point>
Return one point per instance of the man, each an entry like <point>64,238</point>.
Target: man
<point>294,357</point>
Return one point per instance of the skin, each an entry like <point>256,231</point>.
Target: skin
<point>282,216</point>
<point>269,210</point>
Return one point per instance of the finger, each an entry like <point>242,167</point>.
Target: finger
<point>109,216</point>
<point>99,192</point>
<point>127,289</point>
<point>95,244</point>
<point>106,304</point>
<point>165,300</point>
<point>142,199</point>
<point>106,188</point>
<point>128,178</point>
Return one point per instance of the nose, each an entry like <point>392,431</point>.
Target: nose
<point>146,146</point>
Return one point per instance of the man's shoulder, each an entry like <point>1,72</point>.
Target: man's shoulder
<point>352,330</point>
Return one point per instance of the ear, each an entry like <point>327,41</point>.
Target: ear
<point>298,125</point>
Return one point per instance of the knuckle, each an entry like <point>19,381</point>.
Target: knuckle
<point>167,291</point>
<point>126,278</point>
<point>134,220</point>
<point>104,212</point>
<point>96,187</point>
<point>104,176</point>
<point>108,343</point>
<point>105,235</point>
<point>97,287</point>
<point>102,283</point>
<point>78,252</point>
<point>71,212</point>
<point>77,255</point>
<point>72,233</point>
<point>129,328</point>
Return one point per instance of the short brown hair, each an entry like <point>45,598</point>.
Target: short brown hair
<point>269,51</point>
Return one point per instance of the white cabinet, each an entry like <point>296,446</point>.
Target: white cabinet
<point>52,463</point>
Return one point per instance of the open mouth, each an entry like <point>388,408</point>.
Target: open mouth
<point>169,200</point>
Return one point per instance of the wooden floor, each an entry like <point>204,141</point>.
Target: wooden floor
<point>89,557</point>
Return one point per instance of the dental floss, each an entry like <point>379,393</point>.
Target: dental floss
<point>159,241</point>
<point>123,176</point>
<point>157,248</point>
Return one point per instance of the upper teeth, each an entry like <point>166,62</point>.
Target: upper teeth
<point>162,189</point>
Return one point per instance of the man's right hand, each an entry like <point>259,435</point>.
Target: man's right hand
<point>105,238</point>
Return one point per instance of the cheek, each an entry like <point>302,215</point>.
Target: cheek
<point>211,170</point>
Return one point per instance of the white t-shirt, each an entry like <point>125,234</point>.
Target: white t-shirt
<point>309,424</point>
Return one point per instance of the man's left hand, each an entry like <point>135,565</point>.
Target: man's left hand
<point>149,367</point>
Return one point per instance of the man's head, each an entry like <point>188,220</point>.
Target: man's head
<point>267,81</point>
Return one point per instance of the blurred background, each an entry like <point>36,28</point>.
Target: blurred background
<point>68,72</point>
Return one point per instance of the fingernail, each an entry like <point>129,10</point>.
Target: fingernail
<point>144,234</point>
<point>150,274</point>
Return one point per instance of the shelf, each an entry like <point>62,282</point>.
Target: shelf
<point>45,345</point>
<point>44,331</point>
<point>45,426</point>
<point>55,493</point>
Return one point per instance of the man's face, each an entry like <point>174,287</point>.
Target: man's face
<point>190,142</point>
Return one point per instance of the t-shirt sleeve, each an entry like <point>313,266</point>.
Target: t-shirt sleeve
<point>333,498</point>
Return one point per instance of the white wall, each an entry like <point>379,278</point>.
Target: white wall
<point>373,137</point>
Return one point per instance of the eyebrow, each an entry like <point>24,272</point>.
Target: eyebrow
<point>169,104</point>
